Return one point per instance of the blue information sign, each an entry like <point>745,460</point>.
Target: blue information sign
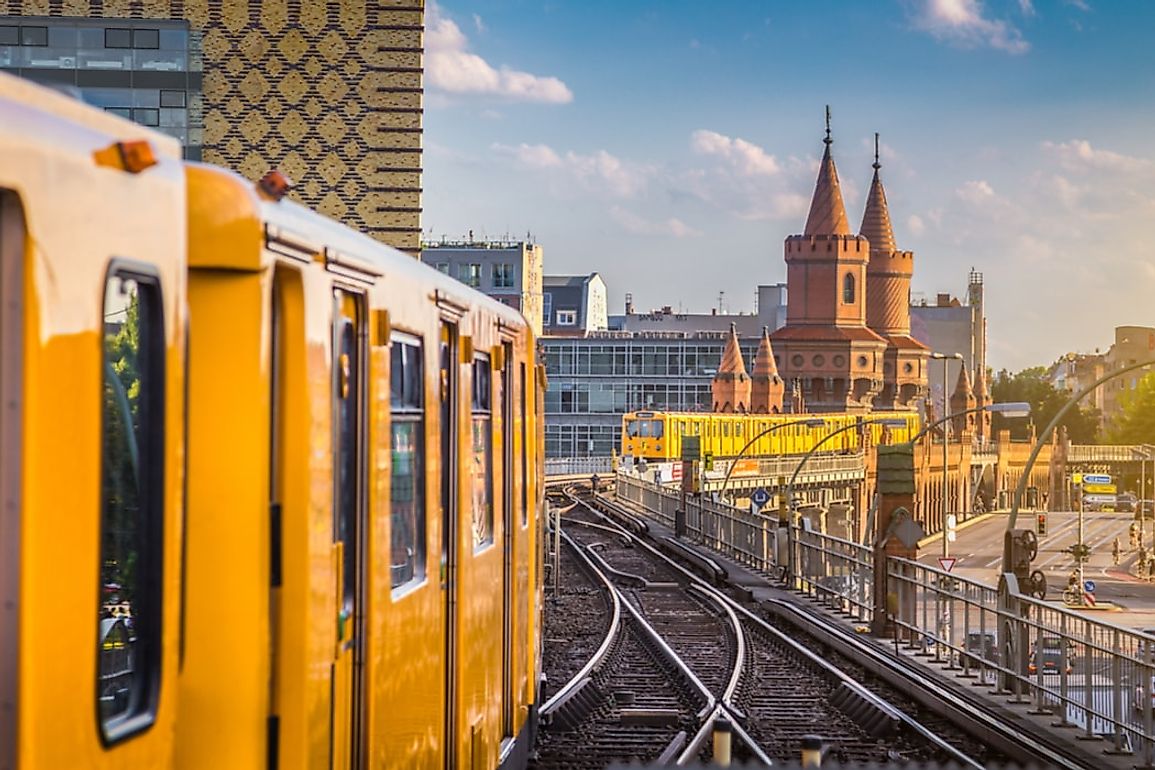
<point>1096,478</point>
<point>1089,586</point>
<point>759,497</point>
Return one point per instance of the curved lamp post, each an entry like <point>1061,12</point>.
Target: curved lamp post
<point>812,422</point>
<point>887,421</point>
<point>1021,488</point>
<point>945,358</point>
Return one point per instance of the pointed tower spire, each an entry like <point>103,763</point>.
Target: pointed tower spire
<point>961,400</point>
<point>731,385</point>
<point>876,226</point>
<point>767,388</point>
<point>827,213</point>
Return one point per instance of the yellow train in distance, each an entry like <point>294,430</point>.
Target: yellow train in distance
<point>657,436</point>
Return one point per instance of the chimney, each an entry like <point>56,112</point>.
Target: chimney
<point>944,300</point>
<point>629,303</point>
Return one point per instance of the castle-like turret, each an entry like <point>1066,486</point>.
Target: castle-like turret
<point>888,277</point>
<point>767,388</point>
<point>962,400</point>
<point>731,385</point>
<point>826,344</point>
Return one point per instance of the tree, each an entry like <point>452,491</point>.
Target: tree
<point>1031,385</point>
<point>1135,423</point>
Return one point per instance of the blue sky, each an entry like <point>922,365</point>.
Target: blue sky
<point>671,146</point>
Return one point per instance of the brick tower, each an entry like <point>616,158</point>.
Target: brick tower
<point>825,343</point>
<point>904,367</point>
<point>767,388</point>
<point>731,385</point>
<point>961,400</point>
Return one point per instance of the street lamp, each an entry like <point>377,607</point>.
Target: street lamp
<point>1043,437</point>
<point>891,422</point>
<point>810,422</point>
<point>944,357</point>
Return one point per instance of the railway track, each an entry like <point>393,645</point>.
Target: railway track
<point>771,689</point>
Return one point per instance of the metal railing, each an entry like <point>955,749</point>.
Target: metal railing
<point>1091,453</point>
<point>576,466</point>
<point>1095,676</point>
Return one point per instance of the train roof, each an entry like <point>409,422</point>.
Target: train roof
<point>315,232</point>
<point>38,116</point>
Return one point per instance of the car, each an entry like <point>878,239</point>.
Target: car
<point>981,647</point>
<point>1126,502</point>
<point>1052,656</point>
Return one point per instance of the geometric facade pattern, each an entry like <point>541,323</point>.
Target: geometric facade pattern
<point>330,92</point>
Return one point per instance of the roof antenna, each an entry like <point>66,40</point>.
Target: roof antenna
<point>828,140</point>
<point>877,165</point>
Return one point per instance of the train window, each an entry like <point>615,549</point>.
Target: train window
<point>407,491</point>
<point>658,428</point>
<point>131,504</point>
<point>482,445</point>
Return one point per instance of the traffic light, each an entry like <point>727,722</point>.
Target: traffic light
<point>708,459</point>
<point>1041,524</point>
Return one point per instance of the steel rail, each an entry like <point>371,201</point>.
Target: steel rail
<point>569,687</point>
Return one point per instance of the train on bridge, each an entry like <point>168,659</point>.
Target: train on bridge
<point>271,490</point>
<point>656,437</point>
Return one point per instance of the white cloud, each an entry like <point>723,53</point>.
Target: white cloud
<point>1079,155</point>
<point>450,67</point>
<point>479,25</point>
<point>963,23</point>
<point>1027,7</point>
<point>1082,5</point>
<point>599,171</point>
<point>637,225</point>
<point>976,191</point>
<point>915,224</point>
<point>747,158</point>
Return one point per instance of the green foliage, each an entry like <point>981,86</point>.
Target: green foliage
<point>1135,423</point>
<point>1031,385</point>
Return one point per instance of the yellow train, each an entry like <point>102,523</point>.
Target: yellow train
<point>270,490</point>
<point>657,436</point>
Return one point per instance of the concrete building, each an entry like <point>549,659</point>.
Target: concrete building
<point>1132,345</point>
<point>948,326</point>
<point>574,305</point>
<point>509,271</point>
<point>594,380</point>
<point>769,311</point>
<point>329,93</point>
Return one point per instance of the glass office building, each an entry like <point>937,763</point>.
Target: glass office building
<point>594,380</point>
<point>146,70</point>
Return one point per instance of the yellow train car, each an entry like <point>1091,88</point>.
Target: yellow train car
<point>657,436</point>
<point>92,328</point>
<point>352,576</point>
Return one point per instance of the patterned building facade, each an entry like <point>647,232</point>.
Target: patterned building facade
<point>328,92</point>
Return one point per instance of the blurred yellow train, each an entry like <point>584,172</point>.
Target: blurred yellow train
<point>657,436</point>
<point>269,490</point>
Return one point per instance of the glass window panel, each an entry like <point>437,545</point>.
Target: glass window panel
<point>131,498</point>
<point>174,39</point>
<point>34,36</point>
<point>104,59</point>
<point>90,37</point>
<point>117,37</point>
<point>173,118</point>
<point>159,61</point>
<point>145,97</point>
<point>172,99</point>
<point>62,37</point>
<point>9,35</point>
<point>482,518</point>
<point>123,112</point>
<point>407,500</point>
<point>146,38</point>
<point>146,116</point>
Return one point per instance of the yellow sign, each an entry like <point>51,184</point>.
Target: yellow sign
<point>1100,489</point>
<point>1076,478</point>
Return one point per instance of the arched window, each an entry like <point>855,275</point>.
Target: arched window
<point>848,289</point>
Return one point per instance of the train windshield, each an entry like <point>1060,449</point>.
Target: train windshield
<point>644,428</point>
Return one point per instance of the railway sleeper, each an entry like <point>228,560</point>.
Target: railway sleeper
<point>877,722</point>
<point>571,712</point>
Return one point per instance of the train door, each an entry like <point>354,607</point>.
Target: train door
<point>349,527</point>
<point>505,396</point>
<point>11,371</point>
<point>449,427</point>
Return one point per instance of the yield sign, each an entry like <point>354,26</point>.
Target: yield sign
<point>947,563</point>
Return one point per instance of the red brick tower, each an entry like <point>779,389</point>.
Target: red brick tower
<point>904,367</point>
<point>982,419</point>
<point>825,342</point>
<point>961,400</point>
<point>731,385</point>
<point>767,387</point>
